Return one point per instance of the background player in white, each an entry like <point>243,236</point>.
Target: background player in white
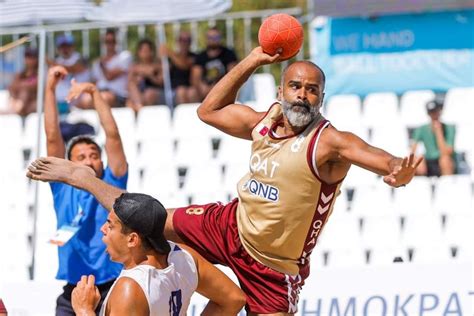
<point>159,277</point>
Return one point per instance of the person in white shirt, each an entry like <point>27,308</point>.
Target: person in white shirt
<point>159,276</point>
<point>76,68</point>
<point>110,72</point>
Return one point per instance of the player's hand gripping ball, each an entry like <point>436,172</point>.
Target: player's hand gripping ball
<point>281,31</point>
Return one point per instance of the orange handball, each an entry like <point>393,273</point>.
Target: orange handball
<point>281,31</point>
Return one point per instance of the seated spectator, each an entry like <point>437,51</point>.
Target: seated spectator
<point>76,66</point>
<point>145,78</point>
<point>181,62</point>
<point>212,64</point>
<point>24,86</point>
<point>438,140</point>
<point>110,72</point>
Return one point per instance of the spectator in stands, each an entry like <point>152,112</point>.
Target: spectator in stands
<point>212,64</point>
<point>181,62</point>
<point>3,310</point>
<point>76,67</point>
<point>23,89</point>
<point>145,78</point>
<point>85,252</point>
<point>438,140</point>
<point>111,72</point>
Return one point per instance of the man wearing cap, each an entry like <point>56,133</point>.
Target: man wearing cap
<point>78,211</point>
<point>76,67</point>
<point>159,276</point>
<point>438,140</point>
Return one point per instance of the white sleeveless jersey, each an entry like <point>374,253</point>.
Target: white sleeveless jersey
<point>168,291</point>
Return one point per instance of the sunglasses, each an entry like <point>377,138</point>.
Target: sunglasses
<point>214,37</point>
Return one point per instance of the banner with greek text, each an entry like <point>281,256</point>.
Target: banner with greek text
<point>395,52</point>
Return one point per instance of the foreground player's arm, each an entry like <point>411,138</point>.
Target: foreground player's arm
<point>51,169</point>
<point>113,143</point>
<point>349,147</point>
<point>127,299</point>
<point>219,109</point>
<point>225,297</point>
<point>54,140</point>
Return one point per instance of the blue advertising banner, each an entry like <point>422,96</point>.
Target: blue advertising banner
<point>396,52</point>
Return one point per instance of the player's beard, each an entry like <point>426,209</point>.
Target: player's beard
<point>301,117</point>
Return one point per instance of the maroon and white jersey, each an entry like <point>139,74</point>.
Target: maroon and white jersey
<point>283,204</point>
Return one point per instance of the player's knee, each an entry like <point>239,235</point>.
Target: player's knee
<point>237,301</point>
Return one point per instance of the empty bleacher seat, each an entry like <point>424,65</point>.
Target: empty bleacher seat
<point>154,122</point>
<point>413,107</point>
<point>415,198</point>
<point>458,106</point>
<point>453,194</point>
<point>265,90</point>
<point>381,109</point>
<point>393,139</point>
<point>344,111</point>
<point>4,95</point>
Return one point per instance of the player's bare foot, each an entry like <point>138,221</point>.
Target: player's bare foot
<point>51,169</point>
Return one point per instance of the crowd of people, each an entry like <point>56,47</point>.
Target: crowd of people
<point>124,79</point>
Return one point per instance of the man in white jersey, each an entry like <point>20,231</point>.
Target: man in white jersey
<point>158,277</point>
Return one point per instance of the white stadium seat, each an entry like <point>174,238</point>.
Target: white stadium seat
<point>413,107</point>
<point>265,90</point>
<point>381,109</point>
<point>154,122</point>
<point>458,107</point>
<point>344,111</point>
<point>4,95</point>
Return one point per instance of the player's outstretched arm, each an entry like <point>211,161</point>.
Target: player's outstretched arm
<point>219,109</point>
<point>54,140</point>
<point>113,143</point>
<point>396,171</point>
<point>225,297</point>
<point>51,169</point>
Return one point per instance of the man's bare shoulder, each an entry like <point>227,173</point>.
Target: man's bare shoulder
<point>127,296</point>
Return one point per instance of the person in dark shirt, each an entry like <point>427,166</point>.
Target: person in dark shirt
<point>181,62</point>
<point>212,64</point>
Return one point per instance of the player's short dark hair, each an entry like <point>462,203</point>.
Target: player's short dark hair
<point>81,139</point>
<point>308,62</point>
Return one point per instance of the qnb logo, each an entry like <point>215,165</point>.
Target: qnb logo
<point>263,190</point>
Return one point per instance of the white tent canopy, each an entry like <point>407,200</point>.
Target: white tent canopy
<point>153,11</point>
<point>27,12</point>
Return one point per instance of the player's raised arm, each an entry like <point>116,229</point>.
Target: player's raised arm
<point>219,109</point>
<point>113,143</point>
<point>54,140</point>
